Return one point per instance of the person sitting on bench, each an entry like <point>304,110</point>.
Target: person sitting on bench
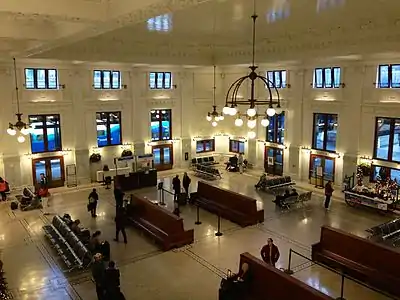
<point>75,227</point>
<point>262,182</point>
<point>232,164</point>
<point>294,193</point>
<point>280,199</point>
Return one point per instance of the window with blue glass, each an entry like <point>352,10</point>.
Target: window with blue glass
<point>106,80</point>
<point>45,133</point>
<point>236,146</point>
<point>326,78</point>
<point>205,146</point>
<point>325,132</point>
<point>388,76</point>
<point>277,79</point>
<point>46,79</point>
<point>160,80</point>
<point>108,125</point>
<point>161,125</point>
<point>384,173</point>
<point>276,129</point>
<point>387,139</point>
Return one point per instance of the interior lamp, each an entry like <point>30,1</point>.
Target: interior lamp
<point>270,111</point>
<point>238,122</point>
<point>264,122</point>
<point>251,135</point>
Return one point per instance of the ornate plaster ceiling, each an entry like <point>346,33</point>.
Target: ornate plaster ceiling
<point>198,31</point>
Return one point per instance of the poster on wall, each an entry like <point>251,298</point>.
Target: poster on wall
<point>319,171</point>
<point>270,161</point>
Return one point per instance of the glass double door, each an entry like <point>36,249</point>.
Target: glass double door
<point>322,169</point>
<point>273,163</point>
<point>52,168</point>
<point>163,157</point>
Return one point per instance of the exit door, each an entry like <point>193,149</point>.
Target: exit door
<point>273,163</point>
<point>163,157</point>
<point>322,169</point>
<point>52,168</point>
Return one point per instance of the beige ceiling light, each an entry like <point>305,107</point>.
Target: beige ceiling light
<point>233,100</point>
<point>214,116</point>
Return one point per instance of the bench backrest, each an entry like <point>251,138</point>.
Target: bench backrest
<point>156,215</point>
<point>269,282</point>
<point>227,198</point>
<point>360,250</point>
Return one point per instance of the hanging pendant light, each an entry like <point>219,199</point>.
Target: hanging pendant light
<point>214,116</point>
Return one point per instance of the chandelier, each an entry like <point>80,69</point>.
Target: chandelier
<point>20,126</point>
<point>233,100</point>
<point>214,117</point>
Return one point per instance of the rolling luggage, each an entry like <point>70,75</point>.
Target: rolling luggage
<point>182,198</point>
<point>14,205</point>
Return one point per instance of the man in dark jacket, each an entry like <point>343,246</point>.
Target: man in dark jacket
<point>119,197</point>
<point>186,183</point>
<point>112,276</point>
<point>270,253</point>
<point>176,185</point>
<point>98,274</point>
<point>120,223</point>
<point>92,205</point>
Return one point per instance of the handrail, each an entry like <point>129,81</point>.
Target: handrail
<point>390,234</point>
<point>343,275</point>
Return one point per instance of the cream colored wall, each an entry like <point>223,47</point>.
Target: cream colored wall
<point>357,105</point>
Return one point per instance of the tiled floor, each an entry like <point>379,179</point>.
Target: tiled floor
<point>193,272</point>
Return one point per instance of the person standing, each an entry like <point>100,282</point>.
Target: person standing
<point>240,162</point>
<point>176,185</point>
<point>328,193</point>
<point>98,274</point>
<point>120,223</point>
<point>270,253</point>
<point>112,280</point>
<point>119,197</point>
<point>92,205</point>
<point>3,189</point>
<point>186,183</point>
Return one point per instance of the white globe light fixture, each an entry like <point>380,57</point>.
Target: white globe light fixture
<point>208,118</point>
<point>251,124</point>
<point>214,116</point>
<point>233,111</point>
<point>11,131</point>
<point>21,139</point>
<point>251,135</point>
<point>226,110</point>
<point>214,124</point>
<point>221,117</point>
<point>264,122</point>
<point>239,122</point>
<point>270,111</point>
<point>278,110</point>
<point>251,112</point>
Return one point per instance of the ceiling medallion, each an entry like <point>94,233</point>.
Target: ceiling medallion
<point>233,100</point>
<point>20,126</point>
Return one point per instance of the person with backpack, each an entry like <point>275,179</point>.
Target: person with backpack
<point>92,205</point>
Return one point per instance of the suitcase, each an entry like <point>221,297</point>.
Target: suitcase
<point>14,205</point>
<point>182,199</point>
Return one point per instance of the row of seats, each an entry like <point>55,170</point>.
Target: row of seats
<point>207,172</point>
<point>70,248</point>
<point>388,232</point>
<point>207,161</point>
<point>296,200</point>
<point>275,183</point>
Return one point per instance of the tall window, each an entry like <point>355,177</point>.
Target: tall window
<point>276,129</point>
<point>326,78</point>
<point>46,133</point>
<point>387,139</point>
<point>160,80</point>
<point>161,127</point>
<point>106,79</point>
<point>236,146</point>
<point>388,76</point>
<point>41,79</point>
<point>277,79</point>
<point>325,131</point>
<point>108,126</point>
<point>205,146</point>
<point>385,173</point>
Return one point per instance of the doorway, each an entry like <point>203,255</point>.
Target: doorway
<point>273,161</point>
<point>322,169</point>
<point>52,167</point>
<point>163,157</point>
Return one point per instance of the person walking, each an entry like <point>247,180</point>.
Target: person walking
<point>112,280</point>
<point>92,205</point>
<point>270,253</point>
<point>98,274</point>
<point>328,193</point>
<point>119,197</point>
<point>186,183</point>
<point>120,223</point>
<point>176,186</point>
<point>3,189</point>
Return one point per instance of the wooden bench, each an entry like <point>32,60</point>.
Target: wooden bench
<point>362,259</point>
<point>233,206</point>
<point>270,283</point>
<point>165,227</point>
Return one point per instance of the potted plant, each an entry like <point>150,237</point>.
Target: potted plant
<point>95,157</point>
<point>126,153</point>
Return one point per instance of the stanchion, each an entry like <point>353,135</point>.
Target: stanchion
<point>341,290</point>
<point>198,216</point>
<point>288,270</point>
<point>162,202</point>
<point>219,233</point>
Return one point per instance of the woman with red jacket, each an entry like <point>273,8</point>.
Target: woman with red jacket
<point>3,189</point>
